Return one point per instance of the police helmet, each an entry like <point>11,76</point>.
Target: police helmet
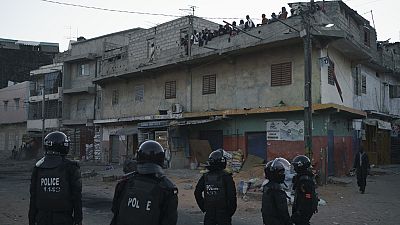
<point>301,163</point>
<point>216,160</point>
<point>275,169</point>
<point>267,169</point>
<point>151,152</point>
<point>56,143</point>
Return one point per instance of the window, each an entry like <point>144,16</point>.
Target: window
<point>331,73</point>
<point>115,96</point>
<point>150,48</point>
<point>367,37</point>
<point>170,89</point>
<point>81,107</point>
<point>357,80</point>
<point>98,101</point>
<point>16,101</point>
<point>83,69</point>
<point>139,93</point>
<point>5,105</point>
<point>209,84</point>
<point>281,74</point>
<point>364,84</point>
<point>394,91</point>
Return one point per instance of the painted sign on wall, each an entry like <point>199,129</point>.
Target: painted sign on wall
<point>285,130</point>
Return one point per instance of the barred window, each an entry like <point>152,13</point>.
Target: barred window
<point>281,74</point>
<point>209,84</point>
<point>394,91</point>
<point>357,80</point>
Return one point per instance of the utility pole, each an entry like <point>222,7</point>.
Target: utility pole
<point>306,16</point>
<point>43,115</point>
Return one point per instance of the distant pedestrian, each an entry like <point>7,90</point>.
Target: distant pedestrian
<point>274,206</point>
<point>362,167</point>
<point>14,153</point>
<point>215,192</point>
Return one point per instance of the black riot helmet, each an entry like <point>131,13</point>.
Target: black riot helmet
<point>216,160</point>
<point>56,143</point>
<point>267,170</point>
<point>151,152</point>
<point>275,169</point>
<point>301,163</point>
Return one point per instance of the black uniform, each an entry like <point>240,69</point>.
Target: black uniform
<point>145,199</point>
<point>56,192</point>
<point>219,201</point>
<point>361,164</point>
<point>274,207</point>
<point>305,200</point>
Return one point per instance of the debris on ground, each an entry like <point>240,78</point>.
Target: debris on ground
<point>339,180</point>
<point>88,174</point>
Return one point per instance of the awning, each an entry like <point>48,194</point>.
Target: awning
<point>154,124</point>
<point>380,123</point>
<point>193,122</point>
<point>127,131</point>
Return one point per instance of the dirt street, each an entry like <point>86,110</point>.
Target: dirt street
<point>379,205</point>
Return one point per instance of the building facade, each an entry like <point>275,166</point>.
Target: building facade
<point>82,63</point>
<point>45,102</point>
<point>18,58</point>
<point>13,116</point>
<point>246,91</point>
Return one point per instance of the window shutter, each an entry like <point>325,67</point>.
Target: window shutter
<point>281,74</point>
<point>139,93</point>
<point>331,72</point>
<point>364,84</point>
<point>209,84</point>
<point>170,89</point>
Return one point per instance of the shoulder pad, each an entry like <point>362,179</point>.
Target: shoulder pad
<point>49,162</point>
<point>168,185</point>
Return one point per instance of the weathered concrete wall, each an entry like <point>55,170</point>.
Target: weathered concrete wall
<point>13,95</point>
<point>243,82</point>
<point>373,98</point>
<point>10,135</point>
<point>154,95</point>
<point>329,93</point>
<point>344,18</point>
<point>394,103</point>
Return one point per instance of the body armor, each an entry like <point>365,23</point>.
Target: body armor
<point>214,193</point>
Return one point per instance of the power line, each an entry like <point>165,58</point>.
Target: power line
<point>137,12</point>
<point>110,10</point>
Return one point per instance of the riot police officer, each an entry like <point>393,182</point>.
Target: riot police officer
<point>274,207</point>
<point>305,198</point>
<point>56,188</point>
<point>148,197</point>
<point>215,191</point>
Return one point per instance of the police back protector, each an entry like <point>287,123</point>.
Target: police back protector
<point>141,202</point>
<point>52,187</point>
<point>215,191</point>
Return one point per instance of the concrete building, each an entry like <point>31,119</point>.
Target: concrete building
<point>247,91</point>
<point>13,116</point>
<point>45,93</point>
<point>82,64</point>
<point>18,58</point>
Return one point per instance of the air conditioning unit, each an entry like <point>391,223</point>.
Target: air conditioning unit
<point>177,108</point>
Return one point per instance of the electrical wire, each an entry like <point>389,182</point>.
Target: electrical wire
<point>137,12</point>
